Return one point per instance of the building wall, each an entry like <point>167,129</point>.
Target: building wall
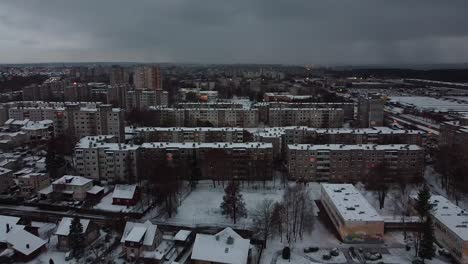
<point>351,165</point>
<point>451,241</point>
<point>353,231</point>
<point>312,117</point>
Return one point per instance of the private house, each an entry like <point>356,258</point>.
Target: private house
<point>139,239</point>
<point>72,187</point>
<point>125,194</point>
<point>23,246</point>
<point>226,247</point>
<point>90,230</point>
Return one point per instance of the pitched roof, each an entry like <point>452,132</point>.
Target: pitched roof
<point>225,247</point>
<point>24,242</point>
<point>134,232</point>
<point>12,222</point>
<point>63,228</point>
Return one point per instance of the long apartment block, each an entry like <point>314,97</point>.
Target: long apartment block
<point>75,119</point>
<point>352,163</point>
<point>101,158</point>
<point>188,134</point>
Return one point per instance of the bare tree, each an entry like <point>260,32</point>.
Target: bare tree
<point>378,182</point>
<point>277,220</point>
<point>263,218</point>
<point>297,213</point>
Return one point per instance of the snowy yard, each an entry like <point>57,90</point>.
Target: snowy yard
<point>202,205</point>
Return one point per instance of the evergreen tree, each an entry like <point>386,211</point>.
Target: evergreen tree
<point>426,247</point>
<point>233,204</point>
<point>195,174</point>
<point>424,244</point>
<point>51,162</point>
<point>423,203</point>
<point>76,237</point>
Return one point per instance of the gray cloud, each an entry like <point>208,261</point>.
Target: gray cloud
<point>219,31</point>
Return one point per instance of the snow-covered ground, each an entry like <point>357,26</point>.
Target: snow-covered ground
<point>106,205</point>
<point>202,205</point>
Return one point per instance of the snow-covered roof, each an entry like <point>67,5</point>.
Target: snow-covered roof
<point>223,145</point>
<point>11,222</point>
<point>4,171</point>
<point>95,190</point>
<point>12,121</point>
<point>63,228</point>
<point>38,125</point>
<point>353,147</point>
<point>453,217</point>
<point>24,242</point>
<point>124,191</point>
<point>370,131</point>
<point>182,235</point>
<point>72,180</point>
<point>430,103</point>
<point>350,203</point>
<point>186,129</point>
<point>136,234</point>
<point>33,175</point>
<point>224,247</point>
<point>133,230</point>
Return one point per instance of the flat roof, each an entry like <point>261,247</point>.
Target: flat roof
<point>452,216</point>
<point>220,145</point>
<point>353,147</point>
<point>350,203</point>
<point>430,103</point>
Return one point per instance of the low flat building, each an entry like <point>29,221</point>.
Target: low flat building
<point>451,227</point>
<point>353,217</point>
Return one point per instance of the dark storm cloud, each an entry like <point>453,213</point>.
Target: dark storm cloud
<point>262,31</point>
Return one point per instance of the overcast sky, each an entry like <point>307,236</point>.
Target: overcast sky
<point>326,32</point>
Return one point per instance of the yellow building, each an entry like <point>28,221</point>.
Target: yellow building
<point>353,217</point>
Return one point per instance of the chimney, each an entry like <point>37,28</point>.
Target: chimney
<point>7,227</point>
<point>27,246</point>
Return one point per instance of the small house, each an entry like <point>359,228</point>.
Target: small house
<point>125,194</point>
<point>139,238</point>
<point>90,231</point>
<point>226,247</point>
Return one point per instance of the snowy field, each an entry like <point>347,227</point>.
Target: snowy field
<point>202,205</point>
<point>429,103</point>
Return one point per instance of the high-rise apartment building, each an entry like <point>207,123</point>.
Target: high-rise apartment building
<point>149,77</point>
<point>119,75</point>
<point>370,111</point>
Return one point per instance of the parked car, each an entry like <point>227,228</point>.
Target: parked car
<point>373,256</point>
<point>310,249</point>
<point>326,257</point>
<point>68,256</point>
<point>334,252</point>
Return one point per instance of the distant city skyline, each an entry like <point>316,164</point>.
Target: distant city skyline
<point>333,32</point>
